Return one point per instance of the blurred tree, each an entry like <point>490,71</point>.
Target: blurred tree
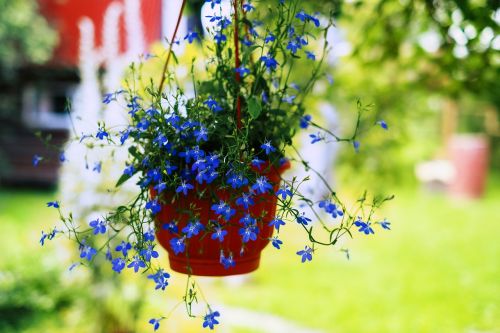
<point>446,45</point>
<point>25,36</point>
<point>409,58</point>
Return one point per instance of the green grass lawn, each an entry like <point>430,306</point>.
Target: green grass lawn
<point>438,270</point>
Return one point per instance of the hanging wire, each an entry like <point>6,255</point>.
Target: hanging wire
<point>171,42</point>
<point>237,63</point>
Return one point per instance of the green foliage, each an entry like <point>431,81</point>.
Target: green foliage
<point>434,272</point>
<point>444,46</point>
<point>25,36</point>
<point>28,296</point>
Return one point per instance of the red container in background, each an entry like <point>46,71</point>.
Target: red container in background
<point>202,254</point>
<point>469,155</point>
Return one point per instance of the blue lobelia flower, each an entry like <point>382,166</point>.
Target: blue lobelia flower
<point>245,200</point>
<point>302,16</point>
<point>214,18</point>
<point>224,22</point>
<point>220,37</point>
<point>227,262</point>
<point>257,163</point>
<point>310,55</point>
<point>248,7</point>
<point>171,227</point>
<point>191,36</point>
<point>213,2</point>
<point>245,41</point>
<point>223,209</point>
<point>249,233</point>
<point>97,167</point>
<point>237,180</point>
<point>178,245</point>
<point>107,98</point>
<point>118,264</point>
<point>154,175</point>
<point>62,157</point>
<point>242,70</point>
<point>212,104</point>
<point>219,234</point>
<point>364,227</point>
<point>184,188</point>
<point>124,135</point>
<point>154,206</point>
<point>306,254</point>
<point>276,242</point>
<point>269,62</point>
<point>384,224</point>
<point>264,97</point>
<point>210,319</point>
<point>213,160</point>
<point>54,204</point>
<point>123,248</point>
<point>306,17</point>
<point>136,264</point>
<point>383,124</point>
<point>87,252</point>
<point>194,153</point>
<point>101,133</point>
<point>289,99</point>
<point>160,278</point>
<point>98,226</point>
<point>248,220</point>
<point>134,106</point>
<point>155,322</point>
<point>36,160</point>
<point>149,236</point>
<point>42,239</point>
<point>211,176</point>
<point>314,20</point>
<point>305,121</point>
<point>201,134</point>
<point>199,164</point>
<point>276,223</point>
<point>284,191</point>
<point>316,137</point>
<point>143,124</point>
<point>267,147</point>
<point>262,185</point>
<point>302,219</point>
<point>201,176</point>
<point>109,256</point>
<point>193,228</point>
<point>160,187</point>
<point>293,46</point>
<point>269,38</point>
<point>330,208</point>
<point>149,253</point>
<point>356,145</point>
<point>129,170</point>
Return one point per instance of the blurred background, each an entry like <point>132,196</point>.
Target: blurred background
<point>431,71</point>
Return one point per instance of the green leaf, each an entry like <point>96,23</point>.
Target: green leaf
<point>254,107</point>
<point>133,151</point>
<point>122,180</point>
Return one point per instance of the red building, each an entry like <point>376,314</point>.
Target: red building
<point>39,98</point>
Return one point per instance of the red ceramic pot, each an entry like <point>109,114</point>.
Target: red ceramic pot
<point>202,254</point>
<point>470,157</point>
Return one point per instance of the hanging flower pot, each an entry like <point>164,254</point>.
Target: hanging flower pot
<point>197,155</point>
<point>208,244</point>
